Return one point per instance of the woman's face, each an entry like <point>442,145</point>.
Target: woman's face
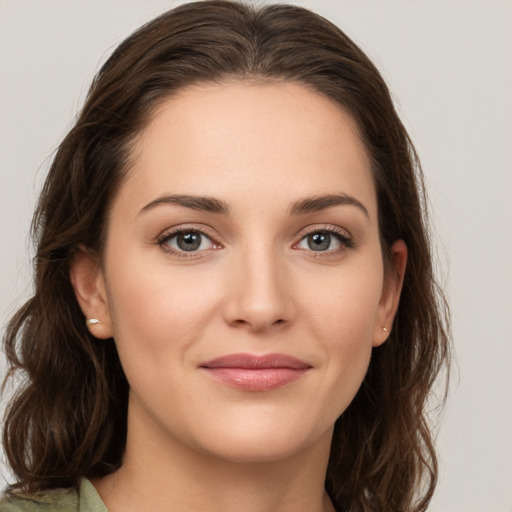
<point>242,277</point>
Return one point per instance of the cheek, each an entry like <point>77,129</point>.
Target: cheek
<point>157,312</point>
<point>343,318</point>
<point>344,306</point>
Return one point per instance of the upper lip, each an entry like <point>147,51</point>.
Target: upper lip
<point>256,362</point>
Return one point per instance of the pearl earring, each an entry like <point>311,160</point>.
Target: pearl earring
<point>385,329</point>
<point>93,321</point>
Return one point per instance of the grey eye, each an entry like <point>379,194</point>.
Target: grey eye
<point>319,241</point>
<point>189,241</point>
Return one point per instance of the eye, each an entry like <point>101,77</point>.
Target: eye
<point>325,241</point>
<point>189,240</point>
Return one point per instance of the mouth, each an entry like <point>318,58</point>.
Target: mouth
<point>256,373</point>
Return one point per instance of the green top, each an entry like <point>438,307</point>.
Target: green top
<point>86,499</point>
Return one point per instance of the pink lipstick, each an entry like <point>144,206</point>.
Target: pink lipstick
<point>256,373</point>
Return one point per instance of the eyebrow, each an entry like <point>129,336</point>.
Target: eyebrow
<point>205,204</point>
<point>300,207</point>
<point>318,203</point>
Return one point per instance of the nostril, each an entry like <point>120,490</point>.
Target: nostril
<point>258,324</point>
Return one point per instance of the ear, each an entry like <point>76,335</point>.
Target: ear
<point>391,289</point>
<point>89,285</point>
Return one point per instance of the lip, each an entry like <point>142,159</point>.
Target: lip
<point>256,373</point>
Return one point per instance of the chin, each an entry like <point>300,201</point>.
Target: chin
<point>261,442</point>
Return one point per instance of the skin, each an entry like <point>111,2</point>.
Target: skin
<point>254,286</point>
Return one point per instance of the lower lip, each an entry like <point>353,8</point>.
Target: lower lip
<point>261,379</point>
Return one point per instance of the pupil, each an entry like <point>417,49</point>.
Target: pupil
<point>319,241</point>
<point>189,241</point>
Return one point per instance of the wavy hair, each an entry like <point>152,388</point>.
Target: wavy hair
<point>68,417</point>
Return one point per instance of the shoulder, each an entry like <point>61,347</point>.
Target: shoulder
<point>84,499</point>
<point>54,500</point>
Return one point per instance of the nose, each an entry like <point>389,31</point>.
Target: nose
<point>260,292</point>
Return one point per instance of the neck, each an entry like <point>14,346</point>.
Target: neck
<point>163,474</point>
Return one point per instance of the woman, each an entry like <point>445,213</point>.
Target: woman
<point>235,306</point>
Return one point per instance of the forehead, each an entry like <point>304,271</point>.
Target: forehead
<point>242,139</point>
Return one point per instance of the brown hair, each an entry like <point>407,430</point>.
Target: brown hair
<point>68,417</point>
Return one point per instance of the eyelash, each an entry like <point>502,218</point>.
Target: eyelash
<point>163,240</point>
<point>342,236</point>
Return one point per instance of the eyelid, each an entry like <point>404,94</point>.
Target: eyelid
<point>329,228</point>
<point>170,233</point>
<point>343,235</point>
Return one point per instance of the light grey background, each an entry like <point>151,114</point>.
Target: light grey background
<point>448,63</point>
